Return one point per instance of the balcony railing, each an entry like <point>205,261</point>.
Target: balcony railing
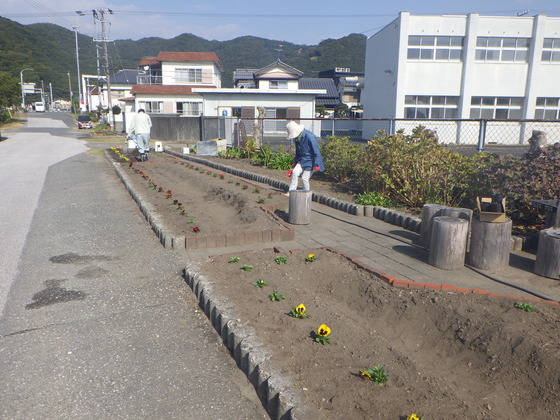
<point>146,79</point>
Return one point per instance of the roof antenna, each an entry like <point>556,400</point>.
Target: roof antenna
<point>523,13</point>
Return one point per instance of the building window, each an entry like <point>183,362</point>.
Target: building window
<point>275,125</point>
<point>435,48</point>
<point>513,50</point>
<point>278,84</point>
<point>500,108</point>
<point>547,109</point>
<point>551,50</point>
<point>431,107</point>
<point>151,107</point>
<point>193,109</point>
<point>188,75</point>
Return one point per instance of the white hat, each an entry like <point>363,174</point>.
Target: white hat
<point>294,129</point>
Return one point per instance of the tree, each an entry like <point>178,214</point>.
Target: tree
<point>10,91</point>
<point>341,110</point>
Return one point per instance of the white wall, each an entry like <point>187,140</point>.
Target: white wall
<point>390,76</point>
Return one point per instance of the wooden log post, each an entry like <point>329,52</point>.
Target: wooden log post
<point>299,210</point>
<point>490,245</point>
<point>448,244</point>
<point>547,263</point>
<point>461,213</point>
<point>429,211</point>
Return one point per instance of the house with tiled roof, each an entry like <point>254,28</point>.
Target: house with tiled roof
<point>165,82</point>
<point>272,93</point>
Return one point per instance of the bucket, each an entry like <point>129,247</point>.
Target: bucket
<point>158,147</point>
<point>186,150</point>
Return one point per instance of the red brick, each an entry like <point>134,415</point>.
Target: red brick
<point>201,242</point>
<point>220,241</point>
<point>449,288</point>
<point>432,286</point>
<point>230,239</point>
<point>190,242</point>
<point>253,237</point>
<point>211,241</point>
<point>415,285</point>
<point>401,284</point>
<point>481,291</point>
<point>266,236</point>
<point>276,235</point>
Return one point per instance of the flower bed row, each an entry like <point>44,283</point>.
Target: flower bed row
<point>197,239</point>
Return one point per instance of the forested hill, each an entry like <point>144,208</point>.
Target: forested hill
<point>50,51</point>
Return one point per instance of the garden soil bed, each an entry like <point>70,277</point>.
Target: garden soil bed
<point>202,199</point>
<point>448,355</point>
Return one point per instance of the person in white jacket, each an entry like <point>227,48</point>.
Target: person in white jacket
<point>141,126</point>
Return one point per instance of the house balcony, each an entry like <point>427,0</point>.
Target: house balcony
<point>146,79</point>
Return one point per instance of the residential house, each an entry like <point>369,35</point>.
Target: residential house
<point>274,93</point>
<point>464,67</point>
<point>165,83</point>
<point>349,85</point>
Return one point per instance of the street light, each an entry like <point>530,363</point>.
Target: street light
<point>22,88</point>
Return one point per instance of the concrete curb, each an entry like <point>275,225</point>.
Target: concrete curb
<point>275,392</point>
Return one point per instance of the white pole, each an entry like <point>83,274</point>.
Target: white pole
<point>22,88</point>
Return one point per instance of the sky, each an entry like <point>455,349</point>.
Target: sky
<point>295,21</point>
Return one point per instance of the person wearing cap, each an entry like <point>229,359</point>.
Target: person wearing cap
<point>141,126</point>
<point>308,156</point>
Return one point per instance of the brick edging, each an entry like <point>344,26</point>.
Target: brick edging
<point>192,242</point>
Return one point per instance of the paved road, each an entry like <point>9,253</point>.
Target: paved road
<point>96,320</point>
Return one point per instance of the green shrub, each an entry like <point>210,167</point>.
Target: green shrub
<point>340,157</point>
<point>231,153</point>
<point>373,198</point>
<point>281,161</point>
<point>414,169</point>
<point>262,156</point>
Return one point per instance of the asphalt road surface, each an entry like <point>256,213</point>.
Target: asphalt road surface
<point>96,321</point>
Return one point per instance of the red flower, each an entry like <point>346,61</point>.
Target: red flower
<point>222,176</point>
<point>196,229</point>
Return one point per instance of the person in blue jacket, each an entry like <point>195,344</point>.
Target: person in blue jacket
<point>308,157</point>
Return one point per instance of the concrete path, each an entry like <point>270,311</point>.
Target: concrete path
<point>98,322</point>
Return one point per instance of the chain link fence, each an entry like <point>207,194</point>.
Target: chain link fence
<point>464,136</point>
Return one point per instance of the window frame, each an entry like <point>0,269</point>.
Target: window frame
<point>441,48</point>
<point>423,107</point>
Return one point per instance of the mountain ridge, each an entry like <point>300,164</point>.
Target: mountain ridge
<point>50,50</point>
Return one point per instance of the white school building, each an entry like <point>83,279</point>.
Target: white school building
<point>465,67</point>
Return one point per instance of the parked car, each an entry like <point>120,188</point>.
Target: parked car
<point>84,121</point>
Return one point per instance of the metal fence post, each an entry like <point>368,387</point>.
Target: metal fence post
<point>391,126</point>
<point>332,128</point>
<point>481,136</point>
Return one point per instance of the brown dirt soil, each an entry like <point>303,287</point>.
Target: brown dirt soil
<point>447,355</point>
<point>320,183</point>
<point>214,204</point>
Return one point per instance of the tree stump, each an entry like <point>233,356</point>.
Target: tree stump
<point>490,245</point>
<point>547,263</point>
<point>448,244</point>
<point>429,211</point>
<point>299,210</point>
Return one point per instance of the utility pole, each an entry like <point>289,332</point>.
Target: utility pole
<point>50,88</point>
<point>99,14</point>
<point>80,99</point>
<point>71,95</point>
